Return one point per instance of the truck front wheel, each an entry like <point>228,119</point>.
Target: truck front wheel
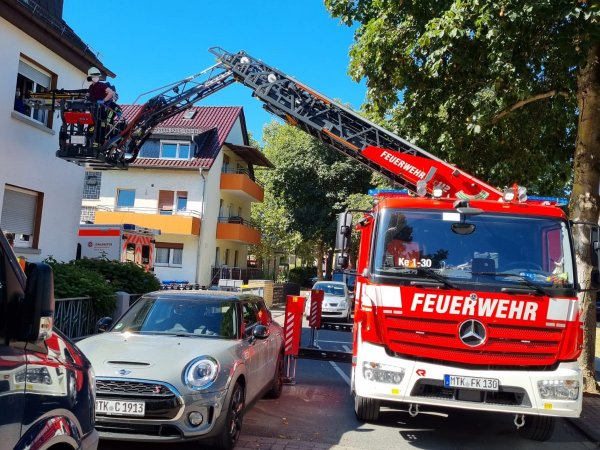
<point>538,428</point>
<point>366,409</point>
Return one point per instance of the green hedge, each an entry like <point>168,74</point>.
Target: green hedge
<point>302,275</point>
<point>100,279</point>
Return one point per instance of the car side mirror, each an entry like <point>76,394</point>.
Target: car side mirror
<point>36,310</point>
<point>260,332</point>
<point>104,324</point>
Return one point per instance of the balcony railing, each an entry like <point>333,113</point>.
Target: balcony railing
<point>242,171</point>
<point>148,210</point>
<point>237,219</point>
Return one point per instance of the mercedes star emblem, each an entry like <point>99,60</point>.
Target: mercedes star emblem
<point>472,333</point>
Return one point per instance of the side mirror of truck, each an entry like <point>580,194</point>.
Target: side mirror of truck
<point>344,231</point>
<point>104,324</point>
<point>35,312</point>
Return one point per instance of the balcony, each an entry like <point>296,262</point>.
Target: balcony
<point>239,183</point>
<point>179,222</point>
<point>238,230</point>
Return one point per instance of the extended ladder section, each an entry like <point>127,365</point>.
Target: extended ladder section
<point>350,133</point>
<point>339,127</point>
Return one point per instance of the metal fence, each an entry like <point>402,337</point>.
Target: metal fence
<point>77,318</point>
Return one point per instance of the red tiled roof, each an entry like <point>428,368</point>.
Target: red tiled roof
<point>220,119</point>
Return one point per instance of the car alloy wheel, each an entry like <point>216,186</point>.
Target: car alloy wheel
<point>236,411</point>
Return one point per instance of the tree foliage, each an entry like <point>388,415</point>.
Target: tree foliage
<point>508,90</point>
<point>309,186</point>
<point>487,85</point>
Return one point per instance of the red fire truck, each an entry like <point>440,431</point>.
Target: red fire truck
<point>466,295</point>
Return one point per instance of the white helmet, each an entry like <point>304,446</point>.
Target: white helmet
<point>93,72</point>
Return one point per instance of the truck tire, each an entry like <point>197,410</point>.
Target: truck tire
<point>538,428</point>
<point>366,409</point>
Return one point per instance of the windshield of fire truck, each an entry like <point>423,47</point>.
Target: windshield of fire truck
<point>415,243</point>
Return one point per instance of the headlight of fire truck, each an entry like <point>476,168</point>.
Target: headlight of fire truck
<point>559,389</point>
<point>382,373</point>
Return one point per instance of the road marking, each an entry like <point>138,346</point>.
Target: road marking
<point>340,372</point>
<point>346,348</point>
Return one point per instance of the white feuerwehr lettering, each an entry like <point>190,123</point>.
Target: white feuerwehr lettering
<point>472,305</point>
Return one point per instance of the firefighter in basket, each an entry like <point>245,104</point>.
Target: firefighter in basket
<point>109,114</point>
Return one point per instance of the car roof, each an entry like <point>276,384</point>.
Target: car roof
<point>341,283</point>
<point>204,295</point>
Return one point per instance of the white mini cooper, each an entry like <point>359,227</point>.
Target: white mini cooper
<point>183,365</point>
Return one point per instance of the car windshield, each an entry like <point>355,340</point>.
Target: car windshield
<point>330,288</point>
<point>183,316</point>
<point>501,249</point>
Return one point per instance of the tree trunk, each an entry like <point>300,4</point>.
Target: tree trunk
<point>329,264</point>
<point>320,253</point>
<point>584,204</point>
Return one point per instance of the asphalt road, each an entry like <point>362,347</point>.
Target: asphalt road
<point>317,412</point>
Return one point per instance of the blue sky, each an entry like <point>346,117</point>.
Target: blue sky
<point>152,43</point>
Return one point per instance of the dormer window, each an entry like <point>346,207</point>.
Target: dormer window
<point>175,149</point>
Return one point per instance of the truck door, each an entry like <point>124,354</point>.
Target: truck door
<point>12,364</point>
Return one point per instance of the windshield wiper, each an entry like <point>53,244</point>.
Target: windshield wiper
<point>441,280</point>
<point>522,278</point>
<point>433,274</point>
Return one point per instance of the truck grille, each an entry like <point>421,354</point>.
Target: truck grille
<point>161,401</point>
<point>506,345</point>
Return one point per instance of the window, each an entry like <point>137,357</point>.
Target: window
<point>21,213</point>
<point>250,316</point>
<point>125,198</point>
<point>169,200</point>
<point>32,78</point>
<point>235,259</point>
<point>130,252</point>
<point>169,254</point>
<point>225,163</point>
<point>174,150</point>
<point>217,256</point>
<point>181,201</point>
<point>226,256</point>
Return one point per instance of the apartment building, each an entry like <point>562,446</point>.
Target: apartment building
<point>40,194</point>
<point>194,181</point>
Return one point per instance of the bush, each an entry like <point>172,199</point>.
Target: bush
<point>302,275</point>
<point>100,279</point>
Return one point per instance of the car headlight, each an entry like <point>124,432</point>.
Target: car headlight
<point>201,372</point>
<point>343,304</point>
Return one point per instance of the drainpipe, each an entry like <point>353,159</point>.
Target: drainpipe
<point>201,227</point>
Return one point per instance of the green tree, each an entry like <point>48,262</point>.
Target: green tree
<point>508,90</point>
<point>311,182</point>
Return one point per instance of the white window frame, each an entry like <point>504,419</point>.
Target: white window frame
<point>178,144</point>
<point>36,75</point>
<point>170,259</point>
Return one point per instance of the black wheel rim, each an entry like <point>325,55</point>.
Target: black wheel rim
<point>237,407</point>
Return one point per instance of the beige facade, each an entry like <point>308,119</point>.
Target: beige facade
<point>198,198</point>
